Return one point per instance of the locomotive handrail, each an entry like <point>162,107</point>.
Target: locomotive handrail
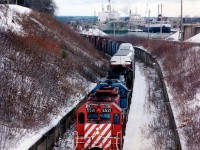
<point>117,140</point>
<point>76,133</point>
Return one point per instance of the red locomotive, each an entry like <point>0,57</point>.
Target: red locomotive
<point>99,122</point>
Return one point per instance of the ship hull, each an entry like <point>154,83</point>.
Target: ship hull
<point>117,27</point>
<point>115,31</point>
<point>157,29</point>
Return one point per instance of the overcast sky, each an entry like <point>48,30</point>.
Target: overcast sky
<point>171,8</point>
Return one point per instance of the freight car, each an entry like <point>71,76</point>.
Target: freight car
<point>100,121</point>
<point>124,62</point>
<point>124,57</point>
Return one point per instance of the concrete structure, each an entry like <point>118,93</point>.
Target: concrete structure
<point>190,30</point>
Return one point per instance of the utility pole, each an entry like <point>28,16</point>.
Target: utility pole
<point>161,23</point>
<point>148,23</point>
<point>148,27</point>
<point>181,20</point>
<point>114,28</point>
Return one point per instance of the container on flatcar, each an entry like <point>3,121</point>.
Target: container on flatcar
<point>124,56</point>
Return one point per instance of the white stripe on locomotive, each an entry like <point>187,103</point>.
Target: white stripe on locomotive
<point>94,126</point>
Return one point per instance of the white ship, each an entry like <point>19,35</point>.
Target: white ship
<point>109,21</point>
<point>135,22</point>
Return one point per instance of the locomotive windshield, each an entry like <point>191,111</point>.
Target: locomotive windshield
<point>92,116</point>
<point>104,116</point>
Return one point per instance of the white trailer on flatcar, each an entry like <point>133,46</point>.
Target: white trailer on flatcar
<point>124,56</point>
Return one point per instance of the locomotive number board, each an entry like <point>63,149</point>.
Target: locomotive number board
<point>90,109</point>
<point>106,110</point>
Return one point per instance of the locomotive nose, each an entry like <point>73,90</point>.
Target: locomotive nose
<point>97,136</point>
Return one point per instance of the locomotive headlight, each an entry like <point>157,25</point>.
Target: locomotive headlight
<point>97,131</point>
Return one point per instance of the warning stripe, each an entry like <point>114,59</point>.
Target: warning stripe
<point>102,140</point>
<point>107,141</point>
<point>101,128</point>
<point>90,130</point>
<point>104,133</point>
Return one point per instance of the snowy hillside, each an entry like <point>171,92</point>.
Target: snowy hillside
<point>194,39</point>
<point>181,69</point>
<point>10,17</point>
<point>41,76</point>
<point>174,37</point>
<point>95,32</point>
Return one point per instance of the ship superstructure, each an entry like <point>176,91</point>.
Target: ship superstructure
<point>109,21</point>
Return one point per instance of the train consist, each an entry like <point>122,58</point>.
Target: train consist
<point>101,120</point>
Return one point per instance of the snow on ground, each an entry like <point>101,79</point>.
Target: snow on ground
<point>194,39</point>
<point>10,19</point>
<point>67,141</point>
<point>95,32</point>
<point>148,121</point>
<point>31,138</point>
<point>143,48</point>
<point>137,117</point>
<point>19,9</point>
<point>174,37</point>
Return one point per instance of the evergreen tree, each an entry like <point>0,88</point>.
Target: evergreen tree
<point>46,6</point>
<point>4,1</point>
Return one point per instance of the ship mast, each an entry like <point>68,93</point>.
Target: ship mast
<point>109,6</point>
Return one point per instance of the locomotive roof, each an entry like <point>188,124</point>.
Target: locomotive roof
<point>105,94</point>
<point>123,52</point>
<point>126,46</point>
